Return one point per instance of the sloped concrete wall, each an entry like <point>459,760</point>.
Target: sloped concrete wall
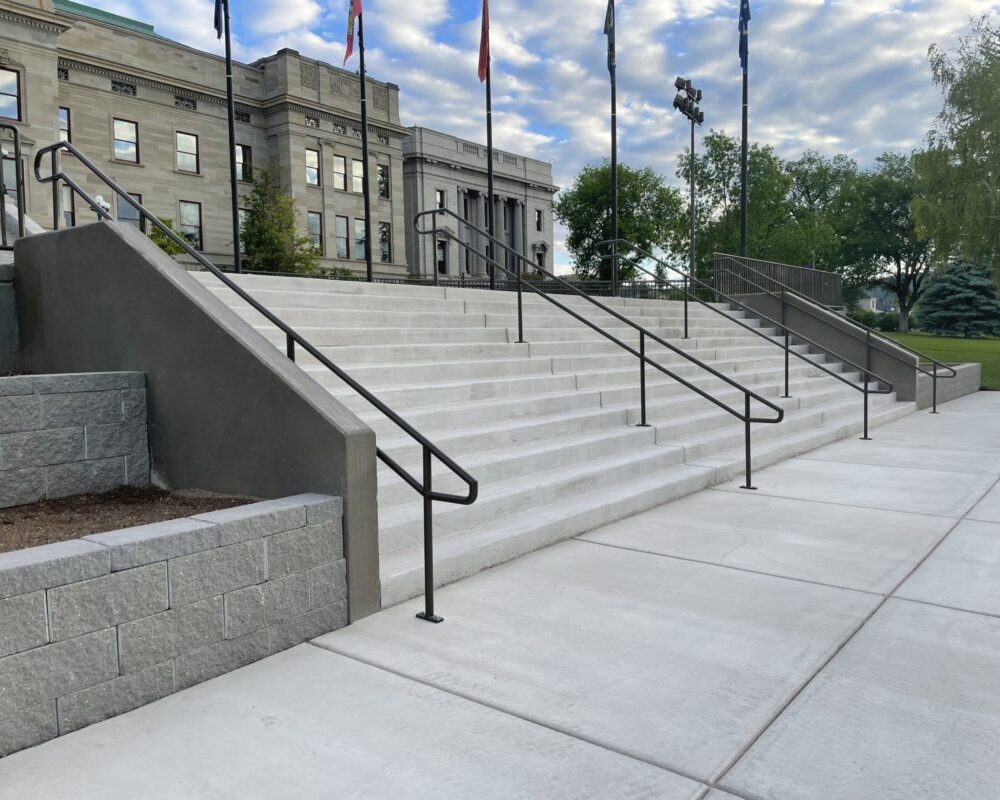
<point>227,411</point>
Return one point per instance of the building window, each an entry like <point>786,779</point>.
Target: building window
<point>121,87</point>
<point>242,116</point>
<point>382,176</point>
<point>127,212</point>
<point>385,241</point>
<point>343,245</point>
<point>357,176</point>
<point>440,198</point>
<point>68,201</point>
<point>187,103</point>
<point>242,213</point>
<point>538,219</point>
<point>340,173</point>
<point>442,257</point>
<point>244,163</point>
<point>312,122</point>
<point>359,239</point>
<point>62,73</point>
<point>314,220</point>
<point>187,152</point>
<point>65,132</point>
<point>466,211</point>
<point>312,167</point>
<point>10,94</point>
<point>341,129</point>
<point>126,140</point>
<point>191,223</point>
<point>506,217</point>
<point>540,259</point>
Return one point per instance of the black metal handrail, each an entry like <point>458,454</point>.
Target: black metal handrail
<point>819,286</point>
<point>744,416</point>
<point>429,449</point>
<point>6,242</point>
<point>787,331</point>
<point>869,333</point>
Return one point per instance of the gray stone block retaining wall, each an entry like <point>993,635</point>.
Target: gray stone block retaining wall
<point>98,626</point>
<point>967,381</point>
<point>72,433</point>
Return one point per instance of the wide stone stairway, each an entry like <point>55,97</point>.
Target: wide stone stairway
<point>548,427</point>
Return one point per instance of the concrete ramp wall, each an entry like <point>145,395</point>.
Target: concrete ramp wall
<point>227,411</point>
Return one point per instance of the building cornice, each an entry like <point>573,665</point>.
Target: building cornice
<point>499,173</point>
<point>47,23</point>
<point>342,118</point>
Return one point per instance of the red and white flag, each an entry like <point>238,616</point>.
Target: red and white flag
<point>354,11</point>
<point>484,43</point>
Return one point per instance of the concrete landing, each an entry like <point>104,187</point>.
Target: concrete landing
<point>833,636</point>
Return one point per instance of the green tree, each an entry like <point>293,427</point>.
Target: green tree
<point>958,202</point>
<point>880,243</point>
<point>164,242</point>
<point>961,299</point>
<point>648,215</point>
<point>270,235</point>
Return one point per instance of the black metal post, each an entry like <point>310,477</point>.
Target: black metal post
<point>642,378</point>
<point>364,152</point>
<point>786,395</point>
<point>520,305</point>
<point>746,432</point>
<point>692,270</point>
<point>490,202</point>
<point>428,612</point>
<point>866,437</point>
<point>613,69</point>
<point>290,347</point>
<point>934,391</point>
<point>686,306</point>
<point>743,163</point>
<point>231,114</point>
<point>55,191</point>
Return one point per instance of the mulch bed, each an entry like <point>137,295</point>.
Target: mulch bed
<point>81,515</point>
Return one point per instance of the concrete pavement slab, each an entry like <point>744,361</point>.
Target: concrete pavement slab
<point>909,710</point>
<point>964,572</point>
<point>941,452</point>
<point>923,491</point>
<point>311,724</point>
<point>988,509</point>
<point>857,548</point>
<point>676,663</point>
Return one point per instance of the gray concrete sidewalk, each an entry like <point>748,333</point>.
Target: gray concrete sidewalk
<point>833,636</point>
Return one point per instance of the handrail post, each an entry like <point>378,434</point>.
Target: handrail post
<point>746,432</point>
<point>934,390</point>
<point>866,437</point>
<point>290,347</point>
<point>642,379</point>
<point>428,612</point>
<point>520,306</point>
<point>686,306</point>
<point>786,395</point>
<point>55,192</point>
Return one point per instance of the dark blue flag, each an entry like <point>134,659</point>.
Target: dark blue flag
<point>744,33</point>
<point>609,31</point>
<point>219,22</point>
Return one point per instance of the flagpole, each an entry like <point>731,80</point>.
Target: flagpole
<point>743,162</point>
<point>613,66</point>
<point>231,108</point>
<point>364,150</point>
<point>490,203</point>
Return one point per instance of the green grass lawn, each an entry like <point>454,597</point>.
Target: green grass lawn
<point>949,350</point>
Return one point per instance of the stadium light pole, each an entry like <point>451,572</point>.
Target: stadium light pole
<point>686,101</point>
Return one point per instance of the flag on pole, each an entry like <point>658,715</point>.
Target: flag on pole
<point>354,11</point>
<point>219,22</point>
<point>484,42</point>
<point>609,31</point>
<point>744,33</point>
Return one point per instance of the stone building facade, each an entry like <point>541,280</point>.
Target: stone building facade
<point>443,171</point>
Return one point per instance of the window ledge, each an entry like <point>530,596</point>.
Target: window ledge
<point>189,174</point>
<point>126,163</point>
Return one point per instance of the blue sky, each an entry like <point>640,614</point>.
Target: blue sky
<point>831,75</point>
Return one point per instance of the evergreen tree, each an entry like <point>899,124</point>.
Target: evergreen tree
<point>270,237</point>
<point>961,299</point>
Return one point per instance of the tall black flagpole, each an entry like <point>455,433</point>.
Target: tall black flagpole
<point>609,29</point>
<point>745,62</point>
<point>364,149</point>
<point>490,203</point>
<point>231,107</point>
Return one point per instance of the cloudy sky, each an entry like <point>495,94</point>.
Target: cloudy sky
<point>832,75</point>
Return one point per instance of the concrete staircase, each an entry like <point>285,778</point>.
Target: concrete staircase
<point>548,427</point>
